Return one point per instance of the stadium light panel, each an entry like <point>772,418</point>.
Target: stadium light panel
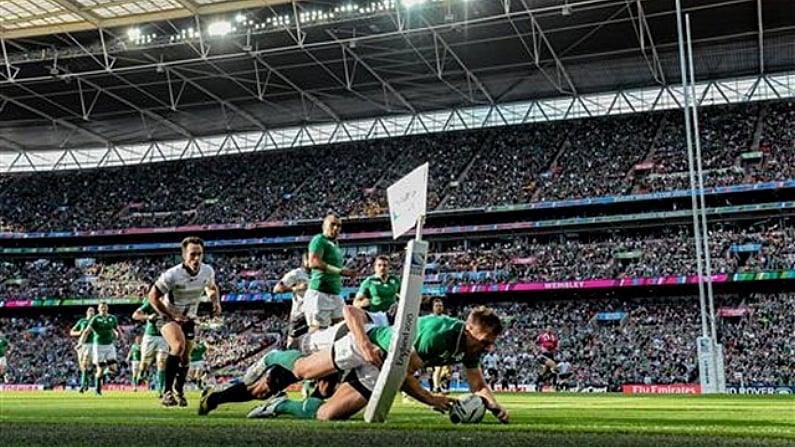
<point>220,28</point>
<point>411,3</point>
<point>133,34</point>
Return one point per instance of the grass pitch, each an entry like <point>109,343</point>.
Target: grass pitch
<point>554,420</point>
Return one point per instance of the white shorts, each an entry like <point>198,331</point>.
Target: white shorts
<point>322,308</point>
<point>135,365</point>
<point>3,362</point>
<point>360,374</point>
<point>104,354</point>
<point>152,346</point>
<point>198,365</point>
<point>323,338</point>
<point>297,308</point>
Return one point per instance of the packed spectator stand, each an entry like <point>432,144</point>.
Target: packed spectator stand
<point>669,252</point>
<point>498,166</point>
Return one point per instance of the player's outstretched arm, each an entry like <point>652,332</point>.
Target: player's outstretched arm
<point>414,389</point>
<point>478,385</point>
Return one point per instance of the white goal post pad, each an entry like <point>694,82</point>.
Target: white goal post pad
<point>393,372</point>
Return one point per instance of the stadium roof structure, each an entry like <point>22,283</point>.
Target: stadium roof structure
<point>87,83</point>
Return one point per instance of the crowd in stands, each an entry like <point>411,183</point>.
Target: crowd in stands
<point>498,166</point>
<point>43,353</point>
<point>598,157</point>
<point>653,344</point>
<point>777,142</point>
<point>522,258</point>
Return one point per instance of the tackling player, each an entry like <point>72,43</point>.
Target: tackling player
<point>254,383</point>
<point>84,349</point>
<point>153,346</point>
<point>440,340</point>
<point>105,328</point>
<point>175,296</point>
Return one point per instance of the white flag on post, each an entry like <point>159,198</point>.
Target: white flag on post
<point>407,200</point>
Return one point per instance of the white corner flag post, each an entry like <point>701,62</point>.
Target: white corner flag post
<point>407,206</point>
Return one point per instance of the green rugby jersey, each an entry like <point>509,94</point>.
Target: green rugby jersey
<point>103,327</point>
<point>197,353</point>
<point>381,292</point>
<point>331,254</point>
<point>150,329</point>
<point>439,341</point>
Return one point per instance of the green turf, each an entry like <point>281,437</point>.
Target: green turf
<point>554,420</point>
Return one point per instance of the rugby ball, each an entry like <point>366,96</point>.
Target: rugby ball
<point>468,409</point>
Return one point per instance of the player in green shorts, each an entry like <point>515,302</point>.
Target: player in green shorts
<point>105,328</point>
<point>153,345</point>
<point>440,340</point>
<point>134,360</point>
<point>378,293</point>
<point>84,349</point>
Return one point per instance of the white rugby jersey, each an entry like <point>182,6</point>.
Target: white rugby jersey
<point>292,279</point>
<point>182,291</point>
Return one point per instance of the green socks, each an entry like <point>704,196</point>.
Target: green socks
<point>301,410</point>
<point>161,380</point>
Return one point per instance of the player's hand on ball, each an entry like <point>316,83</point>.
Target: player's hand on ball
<point>441,403</point>
<point>499,412</point>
